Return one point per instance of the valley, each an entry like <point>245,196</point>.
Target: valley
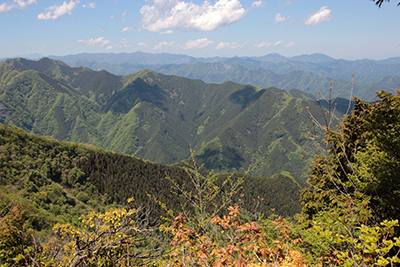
<point>77,146</point>
<point>232,127</point>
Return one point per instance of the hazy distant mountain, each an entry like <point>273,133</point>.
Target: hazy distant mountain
<point>273,57</point>
<point>220,72</point>
<point>313,58</point>
<point>132,58</point>
<point>158,117</point>
<point>310,73</point>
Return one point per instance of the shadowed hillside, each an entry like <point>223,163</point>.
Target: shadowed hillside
<point>58,181</point>
<point>158,117</point>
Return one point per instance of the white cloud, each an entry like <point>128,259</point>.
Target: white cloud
<point>322,15</point>
<point>16,4</point>
<point>90,5</point>
<point>56,11</point>
<point>127,29</point>
<point>233,45</point>
<point>164,14</point>
<point>167,32</point>
<point>5,8</point>
<point>289,44</point>
<point>109,47</point>
<point>278,43</point>
<point>257,3</point>
<point>263,44</point>
<point>279,18</point>
<point>198,43</point>
<point>22,4</point>
<point>160,45</point>
<point>142,44</point>
<point>102,30</point>
<point>93,42</point>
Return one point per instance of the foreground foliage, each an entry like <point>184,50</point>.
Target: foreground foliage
<point>351,209</point>
<point>349,215</point>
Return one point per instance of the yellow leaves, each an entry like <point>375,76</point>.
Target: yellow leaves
<point>110,232</point>
<point>364,246</point>
<point>382,262</point>
<point>294,260</point>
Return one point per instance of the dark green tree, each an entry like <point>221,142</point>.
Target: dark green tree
<point>362,161</point>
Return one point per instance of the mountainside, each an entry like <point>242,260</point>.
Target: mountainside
<point>232,127</point>
<point>59,181</point>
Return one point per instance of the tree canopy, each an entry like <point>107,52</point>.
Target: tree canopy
<point>363,160</point>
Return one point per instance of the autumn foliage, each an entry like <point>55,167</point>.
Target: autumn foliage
<point>233,243</point>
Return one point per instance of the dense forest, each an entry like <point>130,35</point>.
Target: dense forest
<point>231,127</point>
<point>349,213</point>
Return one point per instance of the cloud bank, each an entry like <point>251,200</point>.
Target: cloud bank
<point>165,14</point>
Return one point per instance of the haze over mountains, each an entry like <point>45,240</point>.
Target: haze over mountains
<point>309,73</point>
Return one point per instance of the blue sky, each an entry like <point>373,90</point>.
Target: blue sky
<point>350,29</point>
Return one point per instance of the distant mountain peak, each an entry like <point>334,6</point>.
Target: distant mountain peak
<point>313,58</point>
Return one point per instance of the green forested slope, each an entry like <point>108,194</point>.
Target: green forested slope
<point>158,117</point>
<point>58,181</point>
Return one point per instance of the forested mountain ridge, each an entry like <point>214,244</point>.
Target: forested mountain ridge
<point>158,117</point>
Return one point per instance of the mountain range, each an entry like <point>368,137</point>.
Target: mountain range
<point>231,126</point>
<point>309,73</point>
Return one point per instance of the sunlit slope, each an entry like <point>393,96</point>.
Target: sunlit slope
<point>159,117</point>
